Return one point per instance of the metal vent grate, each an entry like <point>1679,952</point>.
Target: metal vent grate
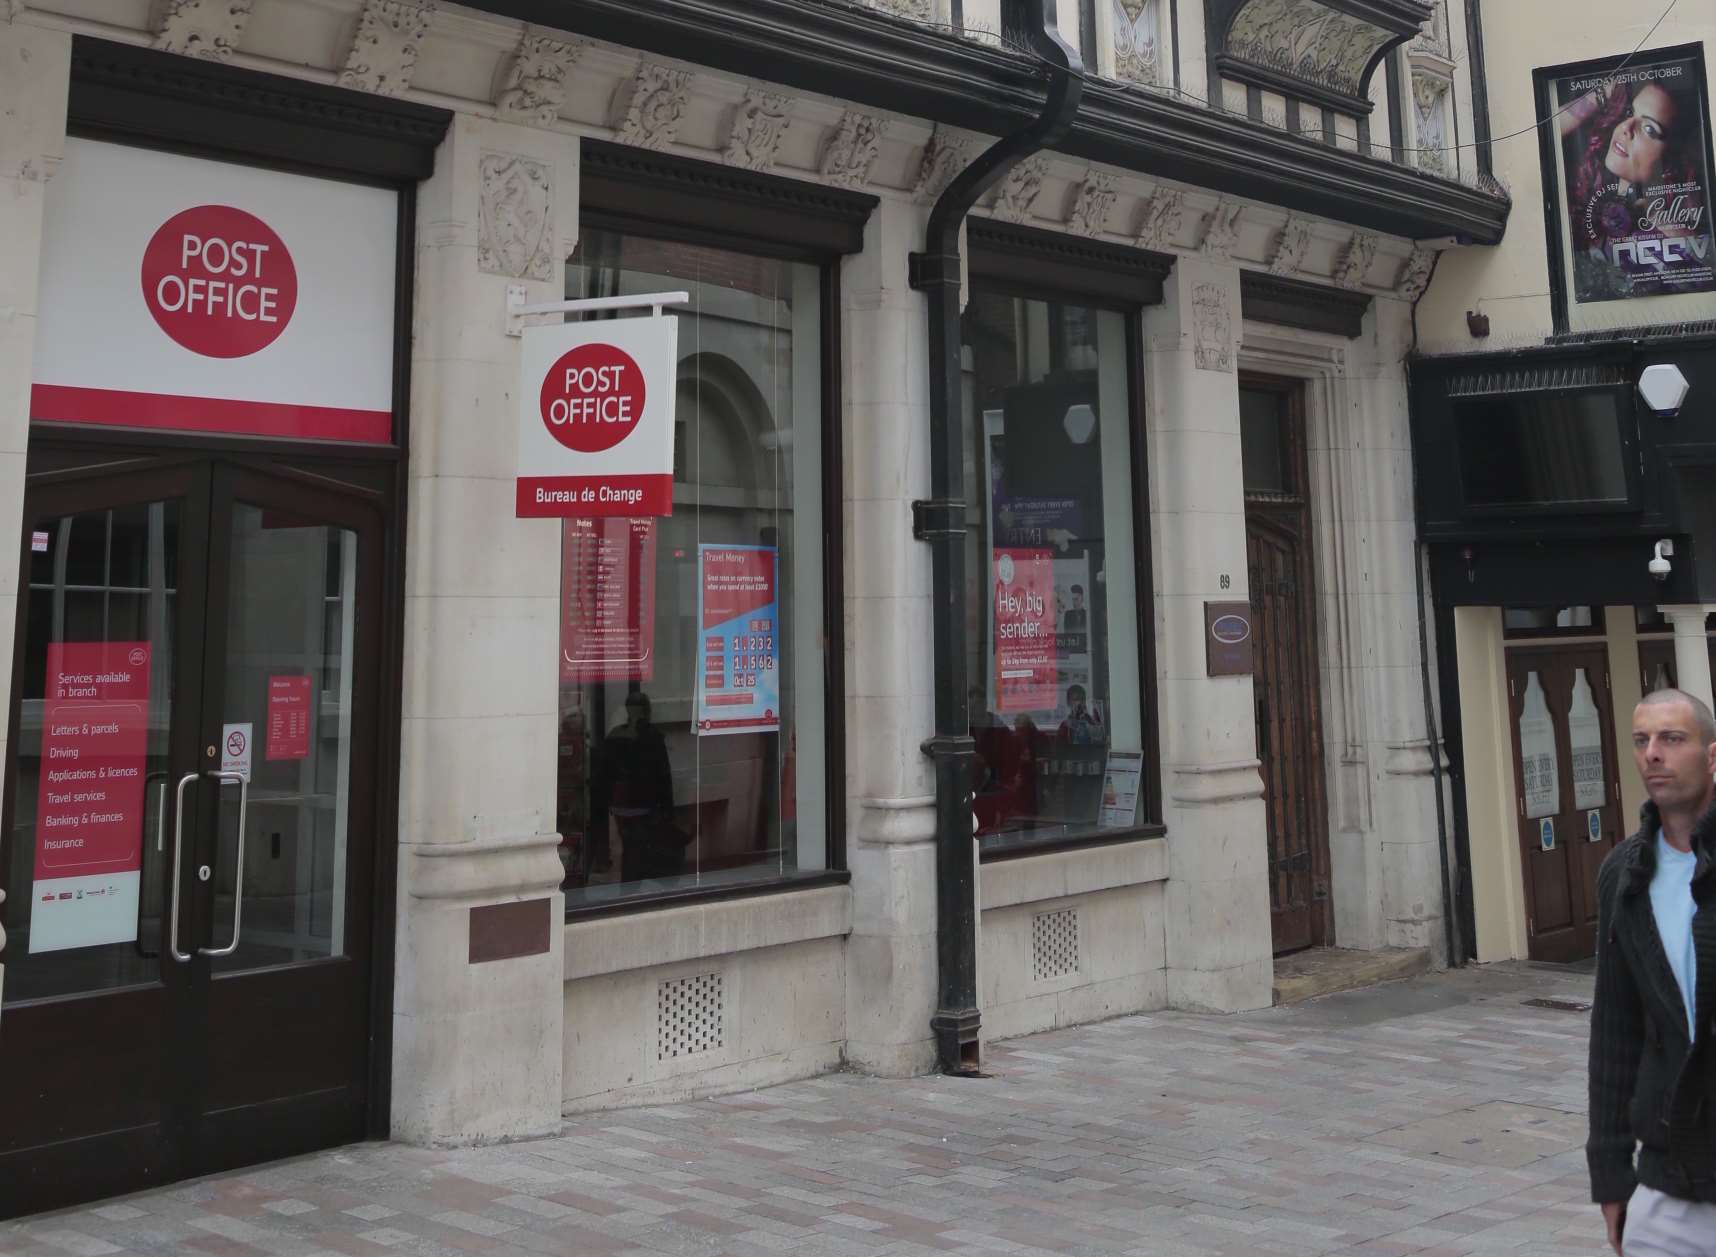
<point>688,1016</point>
<point>1054,943</point>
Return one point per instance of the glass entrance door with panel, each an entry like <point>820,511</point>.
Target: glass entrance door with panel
<point>188,845</point>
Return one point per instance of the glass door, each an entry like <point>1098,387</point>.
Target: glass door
<point>188,842</point>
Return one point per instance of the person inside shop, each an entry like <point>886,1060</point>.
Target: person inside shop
<point>633,784</point>
<point>1074,618</point>
<point>1652,1144</point>
<point>1083,724</point>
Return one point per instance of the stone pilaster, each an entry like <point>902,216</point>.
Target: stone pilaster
<point>1217,895</point>
<point>1691,647</point>
<point>478,1047</point>
<point>891,956</point>
<point>35,70</point>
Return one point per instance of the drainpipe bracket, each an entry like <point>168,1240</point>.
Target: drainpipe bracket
<point>937,518</point>
<point>928,270</point>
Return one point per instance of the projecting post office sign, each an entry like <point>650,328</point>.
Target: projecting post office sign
<point>595,418</point>
<point>1227,639</point>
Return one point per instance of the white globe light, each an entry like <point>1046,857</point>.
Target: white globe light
<point>1663,387</point>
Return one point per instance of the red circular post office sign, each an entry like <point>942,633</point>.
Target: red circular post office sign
<point>219,281</point>
<point>592,397</point>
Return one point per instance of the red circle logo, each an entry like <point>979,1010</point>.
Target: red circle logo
<point>592,398</point>
<point>219,281</point>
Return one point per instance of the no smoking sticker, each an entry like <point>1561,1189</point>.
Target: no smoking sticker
<point>235,749</point>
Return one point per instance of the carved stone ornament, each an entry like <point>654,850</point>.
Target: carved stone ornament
<point>1307,40</point>
<point>1163,217</point>
<point>759,123</point>
<point>656,106</point>
<point>1430,116</point>
<point>852,150</point>
<point>1212,328</point>
<point>1136,55</point>
<point>1434,37</point>
<point>535,84</point>
<point>1221,230</point>
<point>1356,261</point>
<point>1018,191</point>
<point>196,28</point>
<point>1290,250</point>
<point>945,156</point>
<point>384,50</point>
<point>1095,197</point>
<point>1415,275</point>
<point>515,217</point>
<point>916,10</point>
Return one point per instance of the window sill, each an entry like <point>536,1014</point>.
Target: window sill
<point>688,925</point>
<point>1132,858</point>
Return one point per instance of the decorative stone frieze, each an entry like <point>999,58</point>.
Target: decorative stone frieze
<point>945,156</point>
<point>193,28</point>
<point>1162,220</point>
<point>515,217</point>
<point>534,87</point>
<point>852,149</point>
<point>916,10</point>
<point>1430,120</point>
<point>1092,202</point>
<point>1356,260</point>
<point>655,103</point>
<point>384,49</point>
<point>1415,274</point>
<point>1018,191</point>
<point>1212,328</point>
<point>1137,41</point>
<point>1221,230</point>
<point>1290,249</point>
<point>759,124</point>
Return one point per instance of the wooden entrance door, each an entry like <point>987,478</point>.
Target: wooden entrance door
<point>1284,683</point>
<point>188,850</point>
<point>1567,792</point>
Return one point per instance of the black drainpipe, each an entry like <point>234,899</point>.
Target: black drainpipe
<point>941,521</point>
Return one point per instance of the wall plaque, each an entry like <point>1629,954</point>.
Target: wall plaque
<point>1227,639</point>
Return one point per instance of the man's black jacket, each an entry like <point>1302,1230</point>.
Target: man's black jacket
<point>1649,1083</point>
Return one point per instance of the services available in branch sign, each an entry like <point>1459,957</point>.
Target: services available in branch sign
<point>595,418</point>
<point>89,809</point>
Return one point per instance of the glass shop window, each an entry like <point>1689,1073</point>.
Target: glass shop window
<point>1056,707</point>
<point>692,746</point>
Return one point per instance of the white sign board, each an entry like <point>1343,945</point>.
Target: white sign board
<point>595,418</point>
<point>236,751</point>
<point>196,295</point>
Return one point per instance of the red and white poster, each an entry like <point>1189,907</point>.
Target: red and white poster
<point>595,418</point>
<point>1024,599</point>
<point>607,600</point>
<point>289,705</point>
<point>89,809</point>
<point>214,297</point>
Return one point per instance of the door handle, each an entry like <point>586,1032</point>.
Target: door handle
<point>243,784</point>
<point>182,957</point>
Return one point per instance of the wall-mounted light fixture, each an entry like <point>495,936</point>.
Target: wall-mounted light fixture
<point>1663,387</point>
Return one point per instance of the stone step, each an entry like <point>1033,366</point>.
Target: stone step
<point>1325,970</point>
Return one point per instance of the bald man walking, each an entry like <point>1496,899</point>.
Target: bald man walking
<point>1653,1069</point>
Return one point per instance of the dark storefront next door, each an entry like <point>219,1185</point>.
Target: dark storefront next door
<point>1289,713</point>
<point>1567,793</point>
<point>188,852</point>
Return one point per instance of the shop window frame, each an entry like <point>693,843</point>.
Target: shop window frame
<point>681,201</point>
<point>1025,262</point>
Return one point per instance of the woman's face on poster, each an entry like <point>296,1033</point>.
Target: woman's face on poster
<point>1637,145</point>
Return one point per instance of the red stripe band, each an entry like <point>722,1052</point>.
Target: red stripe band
<point>558,497</point>
<point>119,408</point>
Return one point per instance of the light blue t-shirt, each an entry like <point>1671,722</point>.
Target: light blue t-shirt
<point>1672,905</point>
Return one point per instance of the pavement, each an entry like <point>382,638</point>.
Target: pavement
<point>1438,1116</point>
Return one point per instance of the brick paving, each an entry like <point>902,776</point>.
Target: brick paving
<point>1441,1116</point>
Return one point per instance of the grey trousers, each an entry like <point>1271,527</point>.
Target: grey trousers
<point>1662,1226</point>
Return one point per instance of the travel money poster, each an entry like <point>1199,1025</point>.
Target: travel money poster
<point>738,674</point>
<point>1633,151</point>
<point>89,809</point>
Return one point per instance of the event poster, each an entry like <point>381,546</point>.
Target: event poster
<point>607,613</point>
<point>1022,607</point>
<point>738,678</point>
<point>1635,165</point>
<point>89,810</point>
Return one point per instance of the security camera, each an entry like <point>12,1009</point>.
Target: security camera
<point>1660,567</point>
